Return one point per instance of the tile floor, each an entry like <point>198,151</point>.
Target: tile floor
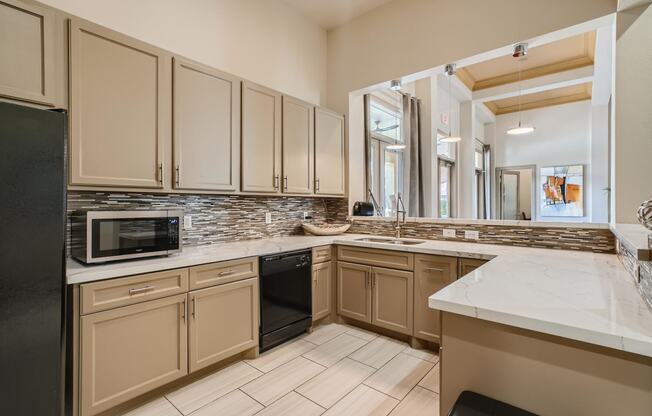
<point>336,370</point>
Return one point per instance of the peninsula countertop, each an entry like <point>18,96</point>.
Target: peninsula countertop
<point>577,295</point>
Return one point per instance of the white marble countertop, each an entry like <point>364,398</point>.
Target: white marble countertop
<point>636,238</point>
<point>578,295</point>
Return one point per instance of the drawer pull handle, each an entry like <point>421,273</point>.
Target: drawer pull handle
<point>225,272</point>
<point>433,269</point>
<point>143,289</point>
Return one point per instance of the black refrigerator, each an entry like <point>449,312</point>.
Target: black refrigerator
<point>32,266</point>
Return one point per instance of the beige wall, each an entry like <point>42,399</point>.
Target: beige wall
<point>265,41</point>
<point>632,143</point>
<point>407,36</point>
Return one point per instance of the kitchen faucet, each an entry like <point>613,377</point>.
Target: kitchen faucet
<point>399,203</point>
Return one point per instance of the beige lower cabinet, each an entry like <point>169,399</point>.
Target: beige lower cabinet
<point>223,322</point>
<point>431,273</point>
<point>354,291</point>
<point>392,297</point>
<point>128,351</point>
<point>322,274</point>
<point>466,266</point>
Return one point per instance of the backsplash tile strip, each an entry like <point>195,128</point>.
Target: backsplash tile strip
<point>220,218</point>
<point>596,240</point>
<point>641,271</point>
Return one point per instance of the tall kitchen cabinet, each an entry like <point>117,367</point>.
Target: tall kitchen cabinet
<point>119,109</point>
<point>27,42</point>
<point>261,139</point>
<point>329,153</point>
<point>298,146</point>
<point>206,127</point>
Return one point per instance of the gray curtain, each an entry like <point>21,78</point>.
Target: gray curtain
<point>413,186</point>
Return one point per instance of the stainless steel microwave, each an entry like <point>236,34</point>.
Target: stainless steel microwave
<point>101,236</point>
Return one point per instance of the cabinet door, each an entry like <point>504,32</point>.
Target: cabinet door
<point>392,299</point>
<point>26,52</point>
<point>128,351</point>
<point>322,275</point>
<point>431,273</point>
<point>354,291</point>
<point>223,322</point>
<point>298,146</point>
<point>206,134</point>
<point>329,153</point>
<point>261,139</point>
<point>466,266</point>
<point>118,117</point>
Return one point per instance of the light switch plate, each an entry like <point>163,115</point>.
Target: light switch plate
<point>268,218</point>
<point>449,232</point>
<point>187,222</point>
<point>305,215</point>
<point>472,235</point>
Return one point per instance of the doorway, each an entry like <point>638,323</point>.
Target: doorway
<point>516,199</point>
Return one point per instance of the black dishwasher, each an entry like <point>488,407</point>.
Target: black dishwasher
<point>285,297</point>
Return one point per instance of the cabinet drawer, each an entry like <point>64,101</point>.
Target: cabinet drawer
<point>124,291</point>
<point>223,272</point>
<point>375,257</point>
<point>321,254</point>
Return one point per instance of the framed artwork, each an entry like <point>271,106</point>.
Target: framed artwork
<point>562,191</point>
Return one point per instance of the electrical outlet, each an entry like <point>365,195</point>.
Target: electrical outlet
<point>268,218</point>
<point>187,222</point>
<point>305,215</point>
<point>449,232</point>
<point>472,235</point>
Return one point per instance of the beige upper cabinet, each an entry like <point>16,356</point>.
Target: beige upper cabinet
<point>431,273</point>
<point>223,322</point>
<point>261,139</point>
<point>392,299</point>
<point>329,153</point>
<point>298,146</point>
<point>128,351</point>
<point>119,109</point>
<point>27,52</point>
<point>322,286</point>
<point>354,291</point>
<point>206,133</point>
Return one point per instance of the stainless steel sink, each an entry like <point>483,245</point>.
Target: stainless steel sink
<point>395,241</point>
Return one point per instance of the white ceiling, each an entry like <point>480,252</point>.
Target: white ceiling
<point>331,13</point>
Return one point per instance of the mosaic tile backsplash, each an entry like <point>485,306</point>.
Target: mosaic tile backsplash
<point>596,240</point>
<point>222,218</point>
<point>641,271</point>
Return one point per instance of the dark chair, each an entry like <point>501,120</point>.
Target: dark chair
<point>473,404</point>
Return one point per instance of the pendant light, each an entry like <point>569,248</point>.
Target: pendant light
<point>450,71</point>
<point>520,51</point>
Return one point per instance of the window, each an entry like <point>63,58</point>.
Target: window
<point>445,187</point>
<point>445,160</point>
<point>386,165</point>
<point>479,181</point>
